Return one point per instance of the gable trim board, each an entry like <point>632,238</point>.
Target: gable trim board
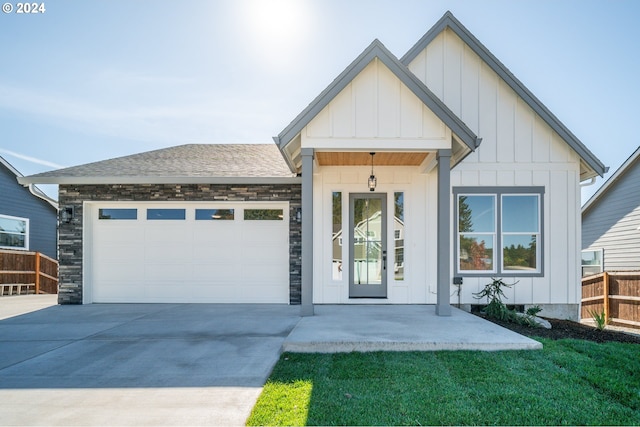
<point>449,21</point>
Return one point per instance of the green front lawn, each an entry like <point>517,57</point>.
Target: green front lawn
<point>569,382</point>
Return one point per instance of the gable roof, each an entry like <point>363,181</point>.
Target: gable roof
<point>613,179</point>
<point>377,50</point>
<point>450,21</point>
<point>183,164</point>
<point>32,188</point>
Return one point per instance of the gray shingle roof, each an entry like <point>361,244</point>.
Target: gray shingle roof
<point>191,163</point>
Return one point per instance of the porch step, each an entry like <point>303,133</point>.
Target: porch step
<point>364,328</point>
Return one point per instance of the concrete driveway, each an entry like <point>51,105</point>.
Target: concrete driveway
<point>138,364</point>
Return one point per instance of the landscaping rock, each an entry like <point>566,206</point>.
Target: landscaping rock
<point>537,320</point>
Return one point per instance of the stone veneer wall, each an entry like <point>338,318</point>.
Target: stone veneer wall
<point>70,235</point>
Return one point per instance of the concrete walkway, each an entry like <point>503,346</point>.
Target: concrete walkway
<point>190,364</point>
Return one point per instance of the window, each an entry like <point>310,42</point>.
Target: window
<point>214,214</point>
<point>14,232</point>
<point>398,233</point>
<point>336,236</point>
<point>263,214</point>
<point>165,214</point>
<point>592,262</point>
<point>499,230</point>
<point>111,213</point>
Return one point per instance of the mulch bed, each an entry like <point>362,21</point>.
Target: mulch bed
<point>567,329</point>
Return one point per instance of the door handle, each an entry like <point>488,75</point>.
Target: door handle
<point>384,260</point>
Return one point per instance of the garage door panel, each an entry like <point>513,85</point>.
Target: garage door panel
<point>262,273</point>
<point>262,254</point>
<point>113,232</point>
<point>120,252</point>
<point>219,253</point>
<point>221,231</point>
<point>225,292</point>
<point>274,235</point>
<point>118,291</point>
<point>167,253</point>
<point>269,294</point>
<point>211,260</point>
<point>118,271</point>
<point>162,272</point>
<point>164,289</point>
<point>163,233</point>
<point>216,272</point>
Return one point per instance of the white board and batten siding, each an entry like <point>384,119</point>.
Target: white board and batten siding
<point>215,261</point>
<point>376,111</point>
<point>420,253</point>
<point>518,149</point>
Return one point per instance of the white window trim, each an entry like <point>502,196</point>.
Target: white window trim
<point>601,265</point>
<point>26,237</point>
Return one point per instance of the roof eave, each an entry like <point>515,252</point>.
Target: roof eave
<point>450,21</point>
<point>106,180</point>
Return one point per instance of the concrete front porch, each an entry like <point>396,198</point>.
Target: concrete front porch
<point>346,328</point>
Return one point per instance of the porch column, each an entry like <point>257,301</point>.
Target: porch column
<point>307,232</point>
<point>443,307</point>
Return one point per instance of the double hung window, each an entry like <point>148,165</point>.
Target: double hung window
<point>499,230</point>
<point>14,232</point>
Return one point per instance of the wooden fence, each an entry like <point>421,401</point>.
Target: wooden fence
<point>617,294</point>
<point>23,272</point>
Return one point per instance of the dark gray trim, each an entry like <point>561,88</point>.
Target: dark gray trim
<point>443,299</point>
<point>377,50</point>
<point>307,233</point>
<point>498,191</point>
<point>448,20</point>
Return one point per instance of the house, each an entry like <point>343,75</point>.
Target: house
<point>486,178</point>
<point>28,217</point>
<point>611,222</point>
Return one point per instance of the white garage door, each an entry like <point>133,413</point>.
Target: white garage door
<point>187,252</point>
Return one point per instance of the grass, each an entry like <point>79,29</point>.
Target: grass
<point>569,382</point>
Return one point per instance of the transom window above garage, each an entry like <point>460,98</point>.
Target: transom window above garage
<point>263,214</point>
<point>215,214</point>
<point>166,214</point>
<point>117,214</point>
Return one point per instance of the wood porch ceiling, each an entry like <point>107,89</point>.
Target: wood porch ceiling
<point>326,158</point>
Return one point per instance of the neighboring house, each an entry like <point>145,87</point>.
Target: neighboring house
<point>611,222</point>
<point>484,179</point>
<point>28,218</point>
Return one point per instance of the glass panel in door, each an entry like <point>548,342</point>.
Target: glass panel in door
<point>368,255</point>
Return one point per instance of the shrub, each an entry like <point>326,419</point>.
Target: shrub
<point>599,318</point>
<point>496,309</point>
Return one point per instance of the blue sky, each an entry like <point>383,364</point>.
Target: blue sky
<point>96,79</point>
